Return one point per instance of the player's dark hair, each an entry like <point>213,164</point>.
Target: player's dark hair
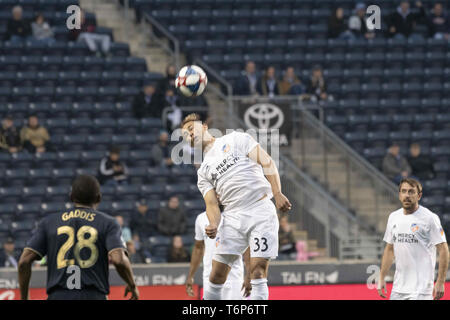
<point>86,190</point>
<point>412,182</point>
<point>190,117</point>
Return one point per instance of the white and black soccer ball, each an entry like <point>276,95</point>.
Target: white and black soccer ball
<point>191,81</point>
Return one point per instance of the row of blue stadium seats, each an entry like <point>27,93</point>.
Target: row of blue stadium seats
<point>437,137</point>
<point>61,33</point>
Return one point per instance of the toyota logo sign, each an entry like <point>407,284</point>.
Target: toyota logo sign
<point>264,116</point>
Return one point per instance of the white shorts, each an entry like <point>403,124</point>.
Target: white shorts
<point>255,226</point>
<point>410,296</point>
<point>231,289</point>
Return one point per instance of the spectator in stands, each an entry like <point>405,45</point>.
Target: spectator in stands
<point>291,84</point>
<point>35,138</point>
<point>161,152</point>
<point>403,21</point>
<point>17,28</point>
<point>133,254</point>
<point>147,103</point>
<point>141,221</point>
<point>269,84</point>
<point>10,136</point>
<point>112,171</point>
<point>177,251</point>
<point>317,86</point>
<point>174,115</point>
<point>92,39</point>
<point>172,219</point>
<point>247,83</point>
<point>8,257</point>
<point>395,166</point>
<point>421,164</point>
<point>126,232</point>
<point>286,240</point>
<point>357,23</point>
<point>438,23</point>
<point>169,80</point>
<point>337,28</point>
<point>41,29</point>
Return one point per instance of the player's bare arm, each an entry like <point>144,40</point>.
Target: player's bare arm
<point>212,212</point>
<point>439,287</point>
<point>247,286</point>
<point>196,259</point>
<point>386,263</point>
<point>24,269</point>
<point>123,267</point>
<point>260,156</point>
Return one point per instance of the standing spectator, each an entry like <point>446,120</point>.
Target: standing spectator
<point>177,251</point>
<point>134,255</point>
<point>438,23</point>
<point>141,221</point>
<point>317,86</point>
<point>337,27</point>
<point>147,102</point>
<point>269,85</point>
<point>10,136</point>
<point>126,232</point>
<point>357,23</point>
<point>247,83</point>
<point>17,28</point>
<point>291,84</point>
<point>161,152</point>
<point>403,21</point>
<point>395,166</point>
<point>169,81</point>
<point>172,219</point>
<point>174,115</point>
<point>421,164</point>
<point>286,239</point>
<point>88,35</point>
<point>112,171</point>
<point>41,29</point>
<point>8,257</point>
<point>35,138</point>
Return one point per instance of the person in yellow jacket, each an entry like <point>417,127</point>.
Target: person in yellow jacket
<point>35,137</point>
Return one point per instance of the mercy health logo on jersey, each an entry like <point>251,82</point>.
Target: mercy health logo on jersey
<point>405,237</point>
<point>414,227</point>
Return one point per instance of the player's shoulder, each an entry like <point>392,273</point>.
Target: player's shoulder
<point>201,217</point>
<point>427,213</point>
<point>396,213</point>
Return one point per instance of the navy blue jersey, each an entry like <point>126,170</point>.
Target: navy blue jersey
<point>80,237</point>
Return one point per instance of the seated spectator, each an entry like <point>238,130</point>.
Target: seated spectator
<point>177,251</point>
<point>395,166</point>
<point>135,255</point>
<point>286,239</point>
<point>172,219</point>
<point>9,136</point>
<point>161,152</point>
<point>35,138</point>
<point>438,23</point>
<point>247,83</point>
<point>8,257</point>
<point>317,86</point>
<point>141,222</point>
<point>126,232</point>
<point>92,39</point>
<point>41,29</point>
<point>291,84</point>
<point>169,80</point>
<point>174,115</point>
<point>403,21</point>
<point>357,23</point>
<point>269,85</point>
<point>147,103</point>
<point>112,171</point>
<point>421,164</point>
<point>337,28</point>
<point>17,28</point>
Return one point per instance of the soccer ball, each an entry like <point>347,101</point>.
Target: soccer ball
<point>191,81</point>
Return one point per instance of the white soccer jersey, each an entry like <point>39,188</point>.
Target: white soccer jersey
<point>414,237</point>
<point>237,269</point>
<point>238,180</point>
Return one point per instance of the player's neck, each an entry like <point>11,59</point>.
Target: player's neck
<point>77,205</point>
<point>410,211</point>
<point>208,144</point>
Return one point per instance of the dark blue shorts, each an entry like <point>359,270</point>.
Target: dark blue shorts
<point>84,294</point>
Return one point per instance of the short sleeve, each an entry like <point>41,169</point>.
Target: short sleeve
<point>437,234</point>
<point>38,241</point>
<point>203,184</point>
<point>245,142</point>
<point>388,234</point>
<point>199,230</point>
<point>114,238</point>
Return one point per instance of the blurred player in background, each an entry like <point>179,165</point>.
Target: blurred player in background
<point>78,244</point>
<point>245,178</point>
<point>413,233</point>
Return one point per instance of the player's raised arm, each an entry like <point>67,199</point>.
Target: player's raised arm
<point>212,212</point>
<point>270,170</point>
<point>24,268</point>
<point>123,267</point>
<point>386,263</point>
<point>196,258</point>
